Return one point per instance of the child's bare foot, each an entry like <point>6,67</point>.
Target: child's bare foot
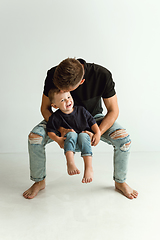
<point>72,169</point>
<point>126,190</point>
<point>88,175</point>
<point>34,189</point>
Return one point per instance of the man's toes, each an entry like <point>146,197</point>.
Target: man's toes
<point>135,194</point>
<point>131,196</point>
<point>25,194</point>
<point>31,196</point>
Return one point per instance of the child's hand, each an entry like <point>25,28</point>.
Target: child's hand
<point>60,141</point>
<point>95,139</point>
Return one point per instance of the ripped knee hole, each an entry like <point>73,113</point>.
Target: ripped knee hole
<point>35,138</point>
<point>121,133</point>
<point>125,147</point>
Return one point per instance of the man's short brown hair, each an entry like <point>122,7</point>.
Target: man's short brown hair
<point>68,73</point>
<point>52,93</point>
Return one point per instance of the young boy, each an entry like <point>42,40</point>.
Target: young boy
<point>78,120</point>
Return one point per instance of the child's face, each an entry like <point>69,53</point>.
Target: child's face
<point>63,101</point>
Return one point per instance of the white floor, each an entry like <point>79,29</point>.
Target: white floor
<point>68,209</point>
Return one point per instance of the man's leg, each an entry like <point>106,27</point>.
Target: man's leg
<point>37,140</point>
<point>84,143</point>
<point>69,150</point>
<point>120,140</point>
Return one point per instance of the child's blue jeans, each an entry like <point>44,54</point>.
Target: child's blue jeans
<point>78,143</point>
<point>121,145</point>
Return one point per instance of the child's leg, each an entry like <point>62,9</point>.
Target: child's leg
<point>71,167</point>
<point>69,149</point>
<point>88,170</point>
<point>84,143</point>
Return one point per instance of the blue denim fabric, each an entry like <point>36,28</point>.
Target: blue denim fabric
<point>38,158</point>
<point>120,157</point>
<point>78,143</point>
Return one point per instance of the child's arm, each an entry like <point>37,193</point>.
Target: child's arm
<point>59,140</point>
<point>96,136</point>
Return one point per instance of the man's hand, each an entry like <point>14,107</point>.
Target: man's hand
<point>60,142</point>
<point>64,131</point>
<point>95,138</point>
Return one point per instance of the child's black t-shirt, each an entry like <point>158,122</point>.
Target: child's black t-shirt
<point>79,120</point>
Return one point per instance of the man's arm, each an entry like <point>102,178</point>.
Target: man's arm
<point>112,113</point>
<point>46,108</point>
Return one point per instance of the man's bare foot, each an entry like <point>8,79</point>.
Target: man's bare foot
<point>126,190</point>
<point>72,169</point>
<point>34,189</point>
<point>88,175</point>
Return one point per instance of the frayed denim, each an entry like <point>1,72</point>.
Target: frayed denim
<point>121,146</point>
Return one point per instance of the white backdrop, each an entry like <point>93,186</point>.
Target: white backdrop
<point>123,36</point>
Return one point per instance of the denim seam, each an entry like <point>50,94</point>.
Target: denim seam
<point>118,180</point>
<point>37,179</point>
<point>69,150</point>
<point>86,154</point>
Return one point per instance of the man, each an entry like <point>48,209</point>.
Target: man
<point>88,83</point>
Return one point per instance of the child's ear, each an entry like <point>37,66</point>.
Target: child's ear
<point>54,105</point>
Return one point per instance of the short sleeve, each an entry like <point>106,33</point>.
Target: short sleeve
<point>109,89</point>
<point>52,125</point>
<point>48,84</point>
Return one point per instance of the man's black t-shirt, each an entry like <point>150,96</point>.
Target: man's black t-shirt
<point>79,120</point>
<point>98,84</point>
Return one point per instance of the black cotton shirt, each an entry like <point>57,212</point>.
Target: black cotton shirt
<point>98,84</point>
<point>79,120</point>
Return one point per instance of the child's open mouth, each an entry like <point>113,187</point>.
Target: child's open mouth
<point>69,105</point>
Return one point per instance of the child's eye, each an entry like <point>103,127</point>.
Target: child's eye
<point>62,100</point>
<point>68,97</point>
